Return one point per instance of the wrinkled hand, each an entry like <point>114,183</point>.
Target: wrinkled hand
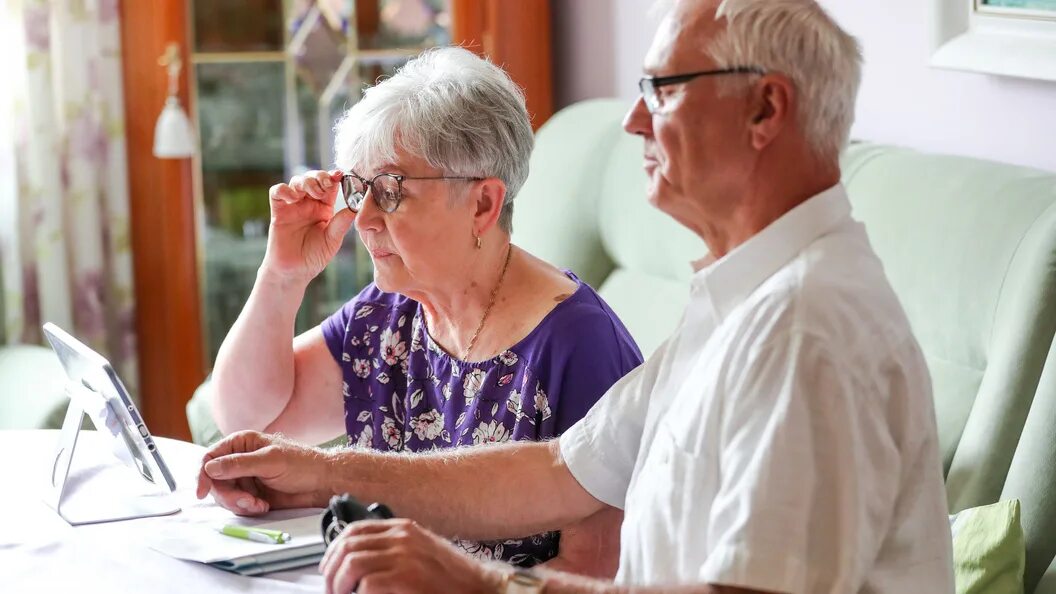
<point>305,232</point>
<point>395,556</point>
<point>251,473</point>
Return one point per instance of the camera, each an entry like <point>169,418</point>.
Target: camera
<point>344,509</point>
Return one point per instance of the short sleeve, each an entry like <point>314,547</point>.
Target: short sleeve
<point>601,449</point>
<point>600,352</point>
<point>809,474</point>
<point>335,327</point>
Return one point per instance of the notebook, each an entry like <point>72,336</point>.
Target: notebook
<point>201,542</point>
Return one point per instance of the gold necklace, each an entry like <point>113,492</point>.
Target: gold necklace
<point>491,304</point>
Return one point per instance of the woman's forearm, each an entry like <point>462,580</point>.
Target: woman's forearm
<point>253,377</point>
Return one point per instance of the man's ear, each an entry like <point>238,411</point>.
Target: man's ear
<point>489,197</point>
<point>771,104</point>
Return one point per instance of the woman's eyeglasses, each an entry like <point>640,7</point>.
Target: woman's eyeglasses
<point>385,188</point>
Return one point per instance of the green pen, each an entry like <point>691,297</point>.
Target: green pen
<point>255,534</point>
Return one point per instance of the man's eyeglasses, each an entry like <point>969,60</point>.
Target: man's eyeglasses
<point>385,188</point>
<point>649,85</point>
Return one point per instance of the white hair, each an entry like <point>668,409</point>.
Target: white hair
<point>798,39</point>
<point>458,112</point>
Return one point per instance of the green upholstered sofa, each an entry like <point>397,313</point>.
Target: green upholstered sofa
<point>970,247</point>
<point>32,385</point>
<point>32,388</point>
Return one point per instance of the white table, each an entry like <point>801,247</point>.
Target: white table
<point>40,552</point>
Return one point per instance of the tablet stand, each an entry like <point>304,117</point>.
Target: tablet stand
<point>106,490</point>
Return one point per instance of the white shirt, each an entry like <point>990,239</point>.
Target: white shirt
<point>783,438</point>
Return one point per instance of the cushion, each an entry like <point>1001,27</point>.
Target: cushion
<point>989,551</point>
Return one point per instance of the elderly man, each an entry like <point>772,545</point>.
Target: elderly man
<point>783,438</point>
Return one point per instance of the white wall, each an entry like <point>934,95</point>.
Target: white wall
<point>599,46</point>
<point>584,50</point>
<point>902,100</point>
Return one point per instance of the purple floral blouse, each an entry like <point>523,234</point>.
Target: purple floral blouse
<point>404,393</point>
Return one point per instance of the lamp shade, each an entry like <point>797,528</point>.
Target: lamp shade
<point>173,134</point>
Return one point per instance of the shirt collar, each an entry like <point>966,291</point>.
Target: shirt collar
<point>729,280</point>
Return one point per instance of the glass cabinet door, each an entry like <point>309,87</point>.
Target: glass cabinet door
<point>271,78</point>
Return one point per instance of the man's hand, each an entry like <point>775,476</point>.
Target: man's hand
<point>251,473</point>
<point>386,556</point>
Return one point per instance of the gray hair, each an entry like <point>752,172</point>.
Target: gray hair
<point>798,39</point>
<point>458,112</point>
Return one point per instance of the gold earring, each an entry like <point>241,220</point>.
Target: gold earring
<point>479,245</point>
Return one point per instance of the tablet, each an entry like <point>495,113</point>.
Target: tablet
<point>110,406</point>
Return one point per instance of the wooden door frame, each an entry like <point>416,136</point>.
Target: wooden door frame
<point>163,223</point>
<point>523,48</point>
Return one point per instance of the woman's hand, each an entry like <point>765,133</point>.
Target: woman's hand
<point>251,473</point>
<point>305,232</point>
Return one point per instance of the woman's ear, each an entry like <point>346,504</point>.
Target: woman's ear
<point>489,197</point>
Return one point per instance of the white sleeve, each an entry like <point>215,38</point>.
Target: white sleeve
<point>601,449</point>
<point>809,474</point>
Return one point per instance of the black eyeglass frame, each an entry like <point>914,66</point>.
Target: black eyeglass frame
<point>346,187</point>
<point>648,85</point>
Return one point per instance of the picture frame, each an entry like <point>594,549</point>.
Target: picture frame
<point>1014,38</point>
<point>1030,9</point>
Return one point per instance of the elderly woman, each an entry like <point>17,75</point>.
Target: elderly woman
<point>463,338</point>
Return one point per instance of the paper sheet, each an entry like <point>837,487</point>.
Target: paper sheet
<point>200,541</point>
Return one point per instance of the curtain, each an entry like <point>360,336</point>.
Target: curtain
<point>65,253</point>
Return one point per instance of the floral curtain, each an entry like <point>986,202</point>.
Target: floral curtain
<point>65,253</point>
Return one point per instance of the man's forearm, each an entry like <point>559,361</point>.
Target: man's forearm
<point>559,582</point>
<point>565,583</point>
<point>473,493</point>
<point>590,547</point>
<point>246,393</point>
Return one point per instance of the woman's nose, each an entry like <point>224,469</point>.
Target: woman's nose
<point>369,217</point>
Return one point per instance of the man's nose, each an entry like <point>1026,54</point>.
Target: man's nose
<point>638,120</point>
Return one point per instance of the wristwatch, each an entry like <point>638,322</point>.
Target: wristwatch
<point>522,581</point>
